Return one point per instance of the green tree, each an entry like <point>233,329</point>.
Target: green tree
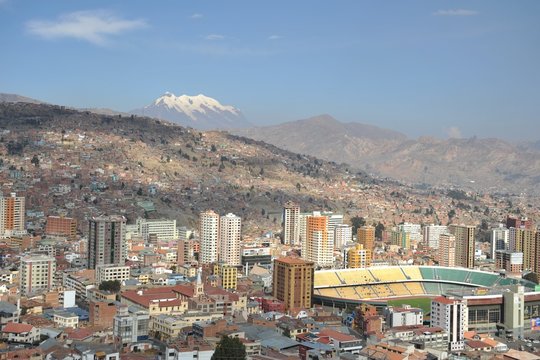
<point>229,349</point>
<point>35,161</point>
<point>357,222</point>
<point>110,285</point>
<point>379,228</point>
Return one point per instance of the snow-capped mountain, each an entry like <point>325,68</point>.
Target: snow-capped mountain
<point>200,112</point>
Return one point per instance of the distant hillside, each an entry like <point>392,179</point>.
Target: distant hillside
<point>82,164</point>
<point>13,98</point>
<point>480,164</point>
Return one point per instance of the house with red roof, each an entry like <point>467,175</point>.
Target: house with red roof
<point>20,333</point>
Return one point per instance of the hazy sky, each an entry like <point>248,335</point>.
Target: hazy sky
<point>441,68</point>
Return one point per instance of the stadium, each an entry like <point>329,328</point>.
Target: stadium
<point>376,285</point>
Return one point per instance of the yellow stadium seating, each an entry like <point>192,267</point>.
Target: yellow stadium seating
<point>326,278</point>
<point>356,276</point>
<point>415,288</point>
<point>332,292</point>
<point>413,272</point>
<point>387,274</point>
<point>365,292</point>
<point>399,289</point>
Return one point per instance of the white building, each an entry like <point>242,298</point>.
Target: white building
<point>499,239</point>
<point>112,272</point>
<point>452,315</point>
<point>163,229</point>
<point>189,351</point>
<point>130,324</point>
<point>342,235</point>
<point>20,333</point>
<point>414,231</point>
<point>230,227</point>
<point>209,237</point>
<point>65,319</point>
<point>432,233</point>
<point>403,316</point>
<point>37,273</point>
<point>291,212</point>
<point>333,221</point>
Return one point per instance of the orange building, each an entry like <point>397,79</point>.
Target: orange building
<point>366,237</point>
<point>318,248</point>
<point>12,215</point>
<point>61,226</point>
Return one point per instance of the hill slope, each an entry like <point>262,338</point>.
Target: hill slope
<point>477,164</point>
<point>82,164</point>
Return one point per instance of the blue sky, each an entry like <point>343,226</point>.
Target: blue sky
<point>440,68</point>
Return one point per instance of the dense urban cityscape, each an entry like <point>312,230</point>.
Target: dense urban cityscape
<point>269,180</point>
<point>316,284</point>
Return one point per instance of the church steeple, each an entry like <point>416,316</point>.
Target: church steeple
<point>199,288</point>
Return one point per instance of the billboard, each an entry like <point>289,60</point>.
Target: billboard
<point>535,324</point>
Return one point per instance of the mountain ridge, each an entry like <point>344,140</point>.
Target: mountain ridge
<point>473,163</point>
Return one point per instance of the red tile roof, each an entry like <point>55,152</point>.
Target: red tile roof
<point>443,300</point>
<point>79,334</point>
<point>17,328</point>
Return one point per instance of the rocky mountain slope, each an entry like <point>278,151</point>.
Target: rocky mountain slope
<point>13,98</point>
<point>476,164</point>
<point>199,112</point>
<point>82,164</point>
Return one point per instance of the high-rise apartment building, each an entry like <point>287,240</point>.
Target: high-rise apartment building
<point>432,233</point>
<point>293,282</point>
<point>107,241</point>
<point>447,250</point>
<point>366,237</point>
<point>414,231</point>
<point>465,245</point>
<point>12,215</point>
<point>358,257</point>
<point>230,227</point>
<point>334,220</point>
<point>531,251</point>
<point>318,247</point>
<point>209,237</point>
<point>291,234</point>
<point>451,314</point>
<point>401,239</point>
<point>499,239</point>
<point>185,252</point>
<point>342,235</point>
<point>61,226</point>
<point>37,273</point>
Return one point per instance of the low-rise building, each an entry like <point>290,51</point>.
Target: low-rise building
<point>403,316</point>
<point>102,313</point>
<point>20,333</point>
<point>189,349</point>
<point>111,273</point>
<point>65,319</point>
<point>131,324</point>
